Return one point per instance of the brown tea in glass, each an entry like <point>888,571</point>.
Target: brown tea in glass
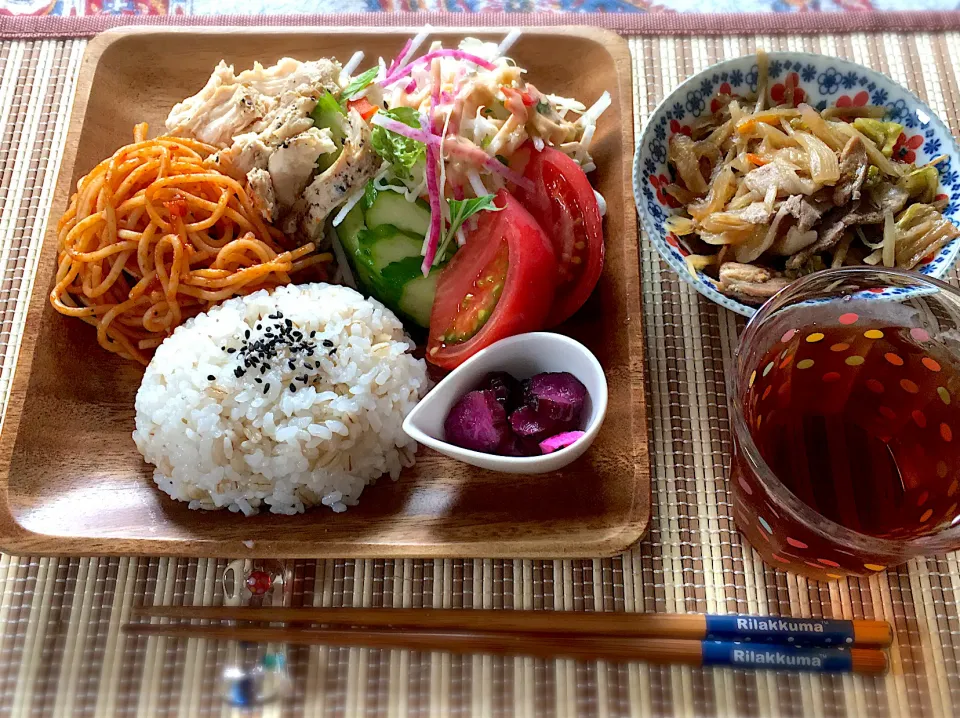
<point>846,413</point>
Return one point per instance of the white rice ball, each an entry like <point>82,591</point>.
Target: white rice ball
<point>288,398</point>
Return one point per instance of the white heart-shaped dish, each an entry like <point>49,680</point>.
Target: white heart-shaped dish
<point>522,356</point>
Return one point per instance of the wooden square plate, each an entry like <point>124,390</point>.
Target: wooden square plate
<point>71,479</point>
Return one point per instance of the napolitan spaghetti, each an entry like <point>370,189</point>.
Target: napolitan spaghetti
<point>153,236</point>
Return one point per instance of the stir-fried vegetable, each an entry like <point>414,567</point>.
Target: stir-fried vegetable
<point>774,192</point>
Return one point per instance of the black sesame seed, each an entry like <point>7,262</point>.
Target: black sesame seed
<point>258,380</point>
<point>223,349</point>
<point>247,334</point>
<point>231,350</point>
<point>313,334</point>
<point>211,377</point>
<point>259,327</point>
<point>327,343</point>
<point>293,364</point>
<point>263,369</point>
<point>332,352</point>
<point>266,388</point>
<point>289,324</point>
<point>238,372</point>
<point>293,389</point>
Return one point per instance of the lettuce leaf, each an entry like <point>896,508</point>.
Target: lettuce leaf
<point>401,152</point>
<point>358,83</point>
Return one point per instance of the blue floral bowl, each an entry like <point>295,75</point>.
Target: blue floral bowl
<point>822,82</point>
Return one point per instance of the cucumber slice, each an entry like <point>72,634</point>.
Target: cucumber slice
<point>349,231</point>
<point>394,248</point>
<point>392,208</point>
<point>386,262</point>
<point>416,301</point>
<point>328,113</point>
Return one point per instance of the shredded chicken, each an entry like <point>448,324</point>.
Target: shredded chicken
<point>788,190</point>
<point>230,104</point>
<point>262,120</point>
<point>246,153</point>
<point>260,189</point>
<point>356,165</point>
<point>292,164</point>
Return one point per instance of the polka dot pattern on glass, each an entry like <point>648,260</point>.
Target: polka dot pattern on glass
<point>909,386</point>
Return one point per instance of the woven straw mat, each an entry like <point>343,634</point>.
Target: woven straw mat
<point>61,651</point>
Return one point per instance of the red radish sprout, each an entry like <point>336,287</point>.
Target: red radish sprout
<point>401,57</point>
<point>402,72</point>
<point>388,123</point>
<point>436,208</point>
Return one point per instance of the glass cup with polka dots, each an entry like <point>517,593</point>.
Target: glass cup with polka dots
<point>845,407</point>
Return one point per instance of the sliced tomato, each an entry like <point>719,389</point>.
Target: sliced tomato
<point>500,283</point>
<point>563,203</point>
<point>363,106</point>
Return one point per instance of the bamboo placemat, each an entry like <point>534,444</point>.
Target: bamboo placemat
<point>60,649</point>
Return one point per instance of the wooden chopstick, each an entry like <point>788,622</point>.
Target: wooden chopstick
<point>681,626</point>
<point>549,645</point>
